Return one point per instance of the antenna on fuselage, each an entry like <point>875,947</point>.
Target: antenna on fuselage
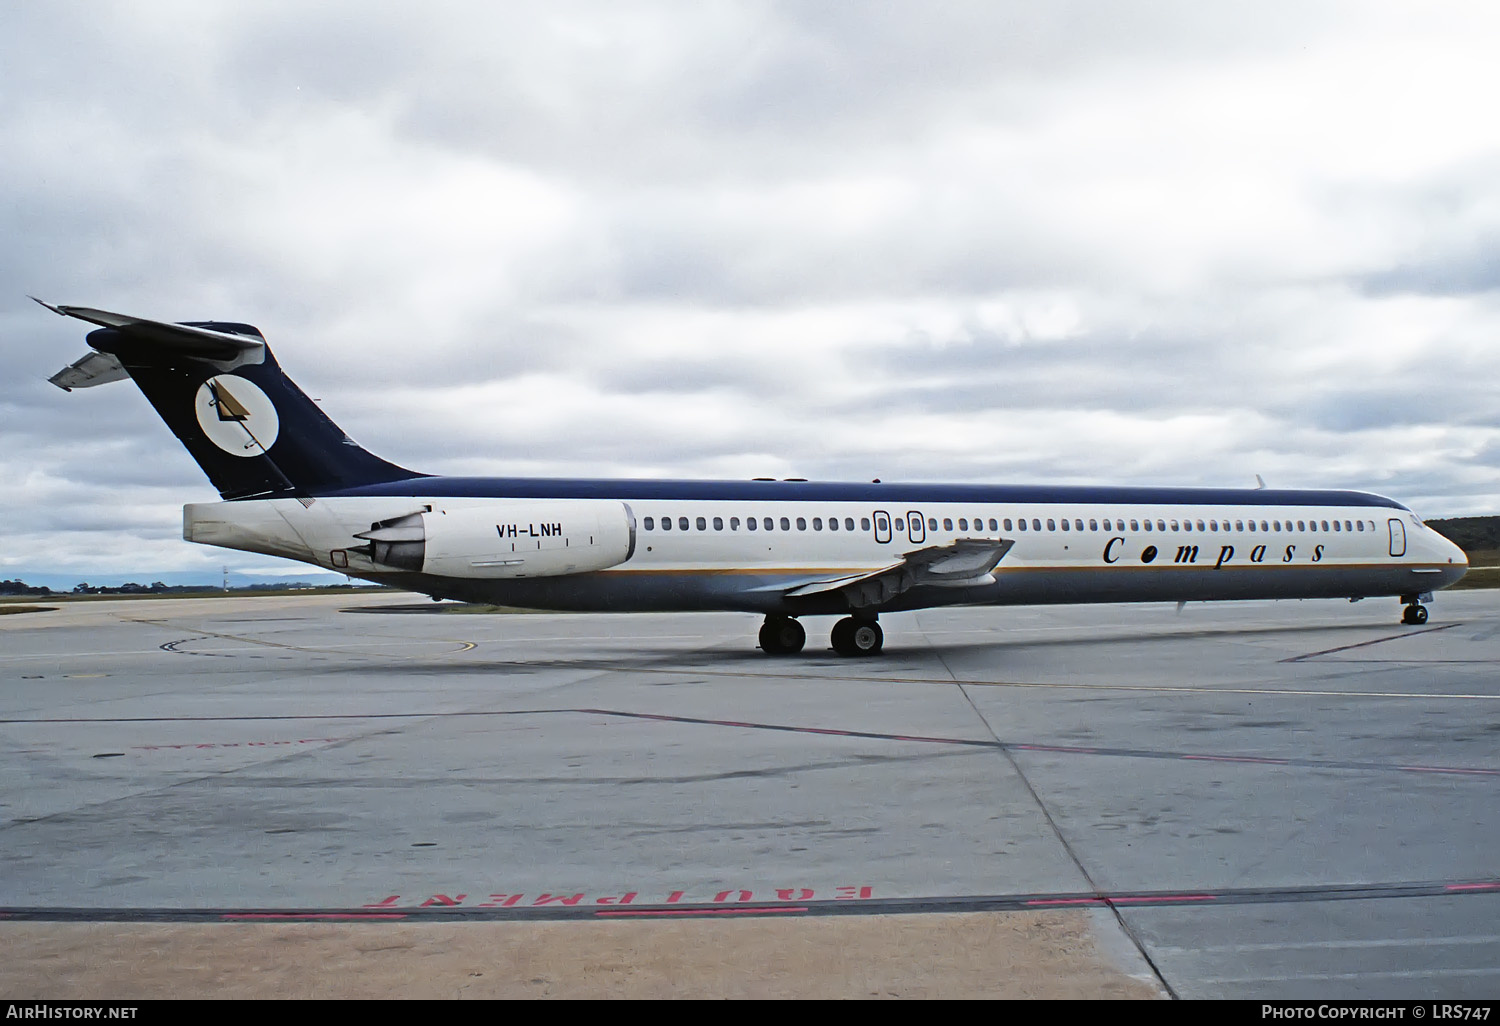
<point>1260,482</point>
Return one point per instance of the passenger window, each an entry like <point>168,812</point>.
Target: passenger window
<point>963,525</point>
<point>1264,526</point>
<point>899,523</point>
<point>718,523</point>
<point>1239,525</point>
<point>1135,525</point>
<point>702,524</point>
<point>1008,526</point>
<point>932,523</point>
<point>1336,525</point>
<point>1093,525</point>
<point>947,523</point>
<point>666,523</point>
<point>1161,525</point>
<point>1213,525</point>
<point>833,524</point>
<point>1065,526</point>
<point>682,523</point>
<point>1174,525</point>
<point>1276,525</point>
<point>1361,524</point>
<point>769,524</point>
<point>786,525</point>
<point>1050,525</point>
<point>1021,524</point>
<point>1146,525</point>
<point>864,523</point>
<point>801,523</point>
<point>993,525</point>
<point>734,523</point>
<point>1325,525</point>
<point>750,524</point>
<point>1301,526</point>
<point>650,524</point>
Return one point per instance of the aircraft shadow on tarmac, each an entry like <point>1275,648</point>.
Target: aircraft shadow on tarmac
<point>643,655</point>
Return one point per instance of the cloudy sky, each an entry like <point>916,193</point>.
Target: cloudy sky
<point>1153,242</point>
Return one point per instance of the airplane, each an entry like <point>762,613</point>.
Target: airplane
<point>293,484</point>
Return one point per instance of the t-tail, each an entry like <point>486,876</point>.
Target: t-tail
<point>220,390</point>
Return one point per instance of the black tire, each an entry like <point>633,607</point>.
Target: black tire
<point>869,639</point>
<point>781,635</point>
<point>839,636</point>
<point>853,637</point>
<point>1419,615</point>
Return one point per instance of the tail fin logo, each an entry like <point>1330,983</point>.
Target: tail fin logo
<point>236,415</point>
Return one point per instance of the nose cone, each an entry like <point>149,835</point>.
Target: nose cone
<point>1456,562</point>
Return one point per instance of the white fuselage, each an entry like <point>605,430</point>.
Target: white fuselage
<point>704,553</point>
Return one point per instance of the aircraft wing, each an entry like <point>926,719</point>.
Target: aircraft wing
<point>966,562</point>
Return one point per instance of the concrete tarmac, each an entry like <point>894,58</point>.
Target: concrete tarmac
<point>1249,800</point>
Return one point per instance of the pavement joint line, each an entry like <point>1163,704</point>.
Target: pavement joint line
<point>995,743</point>
<point>1372,641</point>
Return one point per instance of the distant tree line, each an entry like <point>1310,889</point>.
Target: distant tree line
<point>154,588</point>
<point>21,588</point>
<point>1472,534</point>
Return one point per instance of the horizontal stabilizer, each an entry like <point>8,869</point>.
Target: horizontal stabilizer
<point>93,369</point>
<point>966,562</point>
<point>183,339</point>
<point>218,387</point>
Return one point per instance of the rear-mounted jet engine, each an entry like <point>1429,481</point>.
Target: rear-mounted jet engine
<point>506,539</point>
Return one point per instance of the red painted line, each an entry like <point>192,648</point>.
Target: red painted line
<point>313,915</point>
<point>1473,887</point>
<point>1163,899</point>
<point>703,911</point>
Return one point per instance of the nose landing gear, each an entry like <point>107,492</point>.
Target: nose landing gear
<point>1415,613</point>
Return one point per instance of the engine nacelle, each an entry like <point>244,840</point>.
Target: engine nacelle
<point>508,538</point>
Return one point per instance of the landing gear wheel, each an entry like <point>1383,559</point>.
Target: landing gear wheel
<point>853,637</point>
<point>781,635</point>
<point>1414,614</point>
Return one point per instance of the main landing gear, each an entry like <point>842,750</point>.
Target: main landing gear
<point>852,636</point>
<point>856,637</point>
<point>1415,613</point>
<point>781,635</point>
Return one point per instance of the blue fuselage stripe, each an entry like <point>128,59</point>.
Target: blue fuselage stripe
<point>878,495</point>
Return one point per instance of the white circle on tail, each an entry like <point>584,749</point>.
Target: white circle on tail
<point>236,415</point>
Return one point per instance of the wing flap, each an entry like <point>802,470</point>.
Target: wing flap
<point>966,562</point>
